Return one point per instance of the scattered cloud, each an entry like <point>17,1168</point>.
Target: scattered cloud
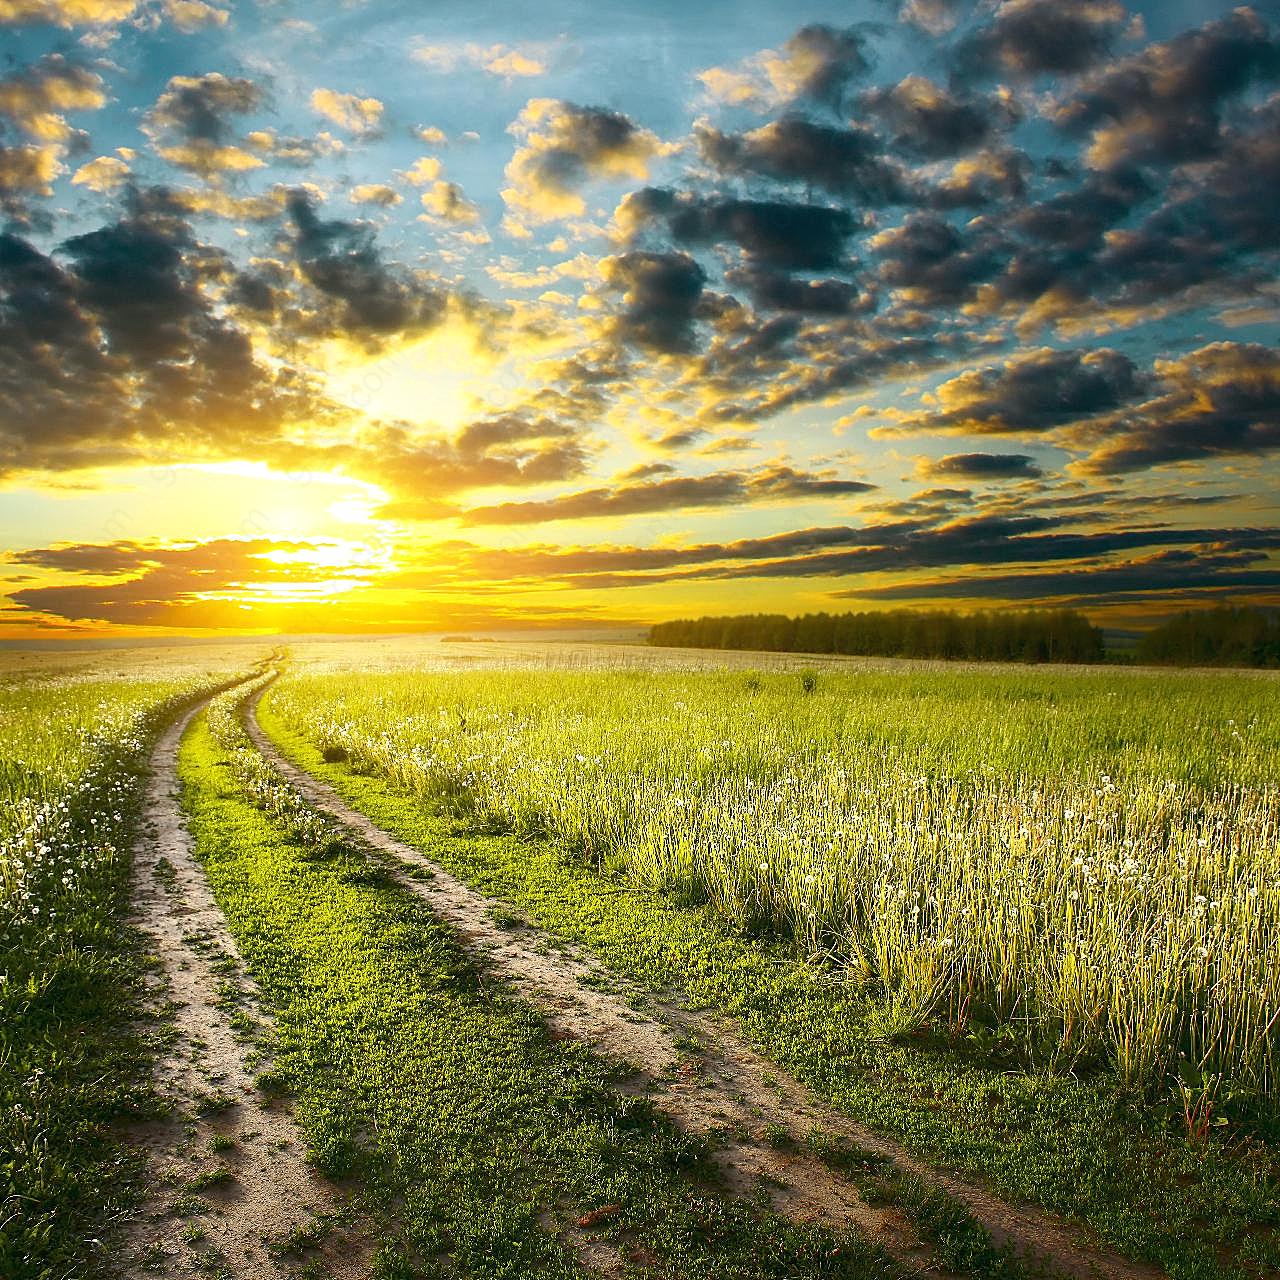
<point>194,15</point>
<point>1008,233</point>
<point>980,467</point>
<point>190,123</point>
<point>1164,105</point>
<point>106,173</point>
<point>375,193</point>
<point>34,101</point>
<point>510,62</point>
<point>645,496</point>
<point>349,111</point>
<point>817,64</point>
<point>1220,401</point>
<point>562,148</point>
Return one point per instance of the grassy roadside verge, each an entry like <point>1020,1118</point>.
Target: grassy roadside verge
<point>473,1134</point>
<point>1204,1211</point>
<point>75,1052</point>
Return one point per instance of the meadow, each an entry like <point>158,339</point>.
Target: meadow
<point>1021,924</point>
<point>1081,867</point>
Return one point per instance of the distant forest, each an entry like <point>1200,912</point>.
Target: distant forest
<point>1227,636</point>
<point>1034,636</point>
<point>1223,637</point>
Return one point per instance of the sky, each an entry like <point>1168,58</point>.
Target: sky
<point>392,317</point>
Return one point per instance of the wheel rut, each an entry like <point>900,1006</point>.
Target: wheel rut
<point>758,1119</point>
<point>229,1191</point>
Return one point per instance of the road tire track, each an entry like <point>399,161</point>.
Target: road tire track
<point>227,1174</point>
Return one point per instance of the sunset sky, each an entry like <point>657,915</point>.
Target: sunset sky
<point>394,316</point>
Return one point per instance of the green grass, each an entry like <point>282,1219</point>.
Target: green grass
<point>462,1121</point>
<point>74,1062</point>
<point>1080,1146</point>
<point>1085,868</point>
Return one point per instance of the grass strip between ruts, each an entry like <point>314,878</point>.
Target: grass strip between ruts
<point>469,1130</point>
<point>1205,1211</point>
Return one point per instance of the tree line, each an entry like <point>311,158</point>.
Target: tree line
<point>1226,636</point>
<point>1041,635</point>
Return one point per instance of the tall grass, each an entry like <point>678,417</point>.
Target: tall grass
<point>1090,863</point>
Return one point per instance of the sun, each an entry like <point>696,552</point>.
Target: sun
<point>441,381</point>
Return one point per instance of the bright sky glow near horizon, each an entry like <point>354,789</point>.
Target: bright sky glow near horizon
<point>382,317</point>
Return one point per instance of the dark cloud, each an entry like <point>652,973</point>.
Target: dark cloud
<point>935,265</point>
<point>121,351</point>
<point>982,466</point>
<point>820,62</point>
<point>780,234</point>
<point>661,293</point>
<point>1208,239</point>
<point>977,542</point>
<point>191,127</point>
<point>1035,37</point>
<point>907,545</point>
<point>1164,574</point>
<point>845,161</point>
<point>778,291</point>
<point>1031,393</point>
<point>781,363</point>
<point>722,488</point>
<point>934,123</point>
<point>539,562</point>
<point>1220,401</point>
<point>362,298</point>
<point>1072,222</point>
<point>1089,254</point>
<point>986,178</point>
<point>1164,104</point>
<point>930,505</point>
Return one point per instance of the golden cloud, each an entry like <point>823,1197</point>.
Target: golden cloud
<point>348,110</point>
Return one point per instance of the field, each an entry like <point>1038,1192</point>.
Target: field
<point>572,959</point>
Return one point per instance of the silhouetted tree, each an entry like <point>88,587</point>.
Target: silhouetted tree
<point>1060,635</point>
<point>1227,636</point>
